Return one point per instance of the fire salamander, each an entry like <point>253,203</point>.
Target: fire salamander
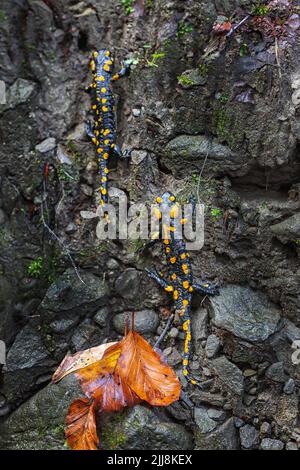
<point>180,276</point>
<point>103,131</point>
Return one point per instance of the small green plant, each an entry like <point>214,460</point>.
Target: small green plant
<point>149,4</point>
<point>297,242</point>
<point>154,58</point>
<point>184,28</point>
<point>221,121</point>
<point>244,50</point>
<point>184,80</point>
<point>260,10</point>
<point>223,98</point>
<point>35,267</point>
<point>128,6</point>
<point>203,70</point>
<point>3,16</point>
<point>216,213</point>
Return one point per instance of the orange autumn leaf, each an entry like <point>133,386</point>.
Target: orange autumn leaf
<point>102,381</point>
<point>71,364</point>
<point>81,431</point>
<point>142,369</point>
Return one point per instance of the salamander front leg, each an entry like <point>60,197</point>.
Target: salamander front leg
<point>120,154</point>
<point>206,287</point>
<point>159,279</point>
<point>122,73</point>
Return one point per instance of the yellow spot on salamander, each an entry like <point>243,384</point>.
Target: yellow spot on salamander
<point>95,54</point>
<point>103,190</point>
<point>183,221</point>
<point>94,106</point>
<point>172,198</point>
<point>101,78</point>
<point>175,294</point>
<point>106,67</point>
<point>173,277</point>
<point>173,260</point>
<point>106,142</point>
<point>105,156</point>
<point>103,90</point>
<point>184,267</point>
<point>112,146</point>
<point>166,241</point>
<point>106,171</point>
<point>185,372</point>
<point>168,249</point>
<point>107,53</point>
<point>185,302</point>
<point>104,109</point>
<point>106,131</point>
<point>158,200</point>
<point>169,289</point>
<point>99,150</point>
<point>191,289</point>
<point>185,284</point>
<point>172,229</point>
<point>185,362</point>
<point>108,62</point>
<point>92,65</point>
<point>103,100</point>
<point>116,76</point>
<point>104,179</point>
<point>183,256</point>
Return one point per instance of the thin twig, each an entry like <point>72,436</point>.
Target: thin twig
<point>234,28</point>
<point>165,331</point>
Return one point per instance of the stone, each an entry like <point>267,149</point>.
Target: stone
<point>145,321</point>
<point>223,437</point>
<point>87,335</point>
<point>101,317</point>
<point>2,217</point>
<point>71,228</point>
<point>140,428</point>
<point>86,189</point>
<point>191,78</point>
<point>291,445</point>
<point>18,93</point>
<point>249,437</point>
<point>38,424</point>
<point>46,145</point>
<point>229,374</point>
<point>265,428</point>
<point>217,415</point>
<point>276,372</point>
<point>27,350</point>
<point>173,333</point>
<point>288,230</point>
<point>71,294</point>
<point>249,372</point>
<point>174,358</point>
<point>204,423</point>
<point>245,313</point>
<point>127,284</point>
<point>271,444</point>
<point>289,386</point>
<point>199,324</point>
<point>63,325</point>
<point>193,149</point>
<point>212,346</point>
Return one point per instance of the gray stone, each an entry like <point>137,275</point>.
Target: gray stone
<point>62,326</point>
<point>289,386</point>
<point>199,324</point>
<point>271,444</point>
<point>265,428</point>
<point>187,149</point>
<point>191,78</point>
<point>288,230</point>
<point>141,428</point>
<point>18,93</point>
<point>128,284</point>
<point>87,335</point>
<point>27,350</point>
<point>276,372</point>
<point>2,216</point>
<point>222,438</point>
<point>101,317</point>
<point>173,333</point>
<point>145,321</point>
<point>212,346</point>
<point>217,415</point>
<point>229,374</point>
<point>249,437</point>
<point>245,313</point>
<point>38,424</point>
<point>69,293</point>
<point>46,145</point>
<point>291,445</point>
<point>204,423</point>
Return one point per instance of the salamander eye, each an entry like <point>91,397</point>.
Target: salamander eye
<point>158,200</point>
<point>172,198</point>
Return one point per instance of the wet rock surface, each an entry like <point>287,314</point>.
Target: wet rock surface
<point>216,123</point>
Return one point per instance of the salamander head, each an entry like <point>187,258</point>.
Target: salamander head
<point>166,200</point>
<point>102,58</point>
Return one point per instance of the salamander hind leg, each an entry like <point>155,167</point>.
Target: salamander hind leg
<point>206,287</point>
<point>123,155</point>
<point>125,69</point>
